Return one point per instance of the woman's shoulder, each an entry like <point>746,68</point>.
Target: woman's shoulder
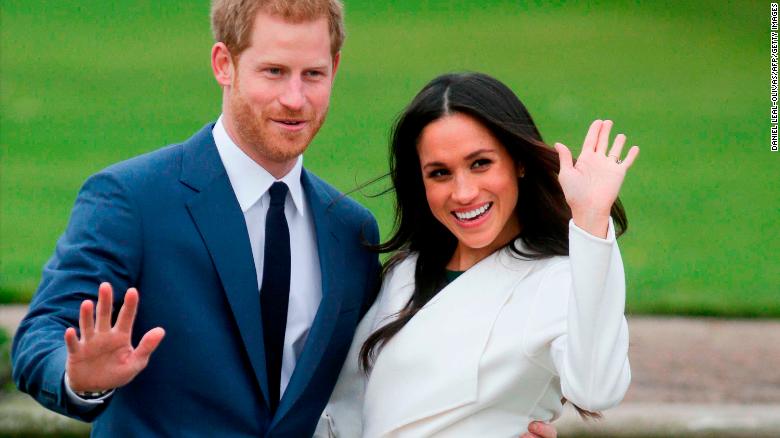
<point>397,284</point>
<point>401,266</point>
<point>542,265</point>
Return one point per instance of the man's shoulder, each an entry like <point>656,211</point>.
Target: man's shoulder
<point>338,202</point>
<point>165,161</point>
<point>147,163</point>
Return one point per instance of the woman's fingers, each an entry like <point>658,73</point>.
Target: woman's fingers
<point>591,138</point>
<point>603,141</point>
<point>124,322</point>
<point>617,147</point>
<point>104,305</point>
<point>86,320</point>
<point>564,156</point>
<point>631,156</point>
<point>543,430</point>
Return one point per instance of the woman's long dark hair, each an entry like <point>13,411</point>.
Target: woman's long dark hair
<point>541,207</point>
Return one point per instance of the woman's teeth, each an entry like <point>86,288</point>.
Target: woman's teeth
<point>473,214</point>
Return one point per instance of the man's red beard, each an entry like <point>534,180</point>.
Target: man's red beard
<point>257,132</point>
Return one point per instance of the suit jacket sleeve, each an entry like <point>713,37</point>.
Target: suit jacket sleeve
<point>592,356</point>
<point>101,243</point>
<point>373,279</point>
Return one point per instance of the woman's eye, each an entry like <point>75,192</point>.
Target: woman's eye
<point>437,173</point>
<point>480,163</point>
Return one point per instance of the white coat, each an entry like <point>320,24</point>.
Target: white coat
<point>495,349</point>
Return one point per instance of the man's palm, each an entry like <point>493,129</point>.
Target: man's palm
<point>104,358</point>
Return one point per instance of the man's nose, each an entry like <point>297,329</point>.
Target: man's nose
<point>465,190</point>
<point>292,96</point>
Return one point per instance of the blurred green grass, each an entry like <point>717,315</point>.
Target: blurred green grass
<point>88,83</point>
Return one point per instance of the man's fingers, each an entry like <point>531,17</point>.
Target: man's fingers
<point>564,156</point>
<point>146,347</point>
<point>124,322</point>
<point>589,145</point>
<point>631,156</point>
<point>603,142</point>
<point>86,320</point>
<point>71,340</point>
<point>104,305</point>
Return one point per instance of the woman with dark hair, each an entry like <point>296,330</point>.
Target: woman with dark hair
<point>505,293</point>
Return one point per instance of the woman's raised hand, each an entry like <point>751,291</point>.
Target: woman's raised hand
<point>592,185</point>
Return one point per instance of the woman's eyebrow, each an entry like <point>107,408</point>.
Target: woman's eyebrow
<point>434,164</point>
<point>479,152</point>
<point>466,158</point>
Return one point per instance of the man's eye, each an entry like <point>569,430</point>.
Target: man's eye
<point>275,71</point>
<point>315,73</point>
<point>480,163</point>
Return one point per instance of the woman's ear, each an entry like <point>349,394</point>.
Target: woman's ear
<point>520,170</point>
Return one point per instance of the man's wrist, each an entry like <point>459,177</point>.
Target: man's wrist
<point>87,395</point>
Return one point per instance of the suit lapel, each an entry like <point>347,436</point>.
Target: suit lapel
<point>332,264</point>
<point>221,224</point>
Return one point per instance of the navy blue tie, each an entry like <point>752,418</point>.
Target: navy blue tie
<point>275,291</point>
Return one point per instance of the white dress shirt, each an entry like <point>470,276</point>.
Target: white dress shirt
<point>250,183</point>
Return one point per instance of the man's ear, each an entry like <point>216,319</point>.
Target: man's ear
<point>222,64</point>
<point>336,60</point>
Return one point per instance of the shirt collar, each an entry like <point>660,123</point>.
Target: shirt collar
<point>250,180</point>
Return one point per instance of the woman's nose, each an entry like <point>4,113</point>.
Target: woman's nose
<point>465,189</point>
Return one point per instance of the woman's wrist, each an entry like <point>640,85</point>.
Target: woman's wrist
<point>593,222</point>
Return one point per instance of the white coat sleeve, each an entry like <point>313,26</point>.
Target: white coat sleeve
<point>591,357</point>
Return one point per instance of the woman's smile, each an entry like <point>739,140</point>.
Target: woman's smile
<point>473,217</point>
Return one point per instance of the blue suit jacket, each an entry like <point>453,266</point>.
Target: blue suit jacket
<point>169,224</point>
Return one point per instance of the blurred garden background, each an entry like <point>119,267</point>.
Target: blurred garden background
<point>87,83</point>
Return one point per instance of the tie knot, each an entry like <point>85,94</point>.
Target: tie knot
<point>278,193</point>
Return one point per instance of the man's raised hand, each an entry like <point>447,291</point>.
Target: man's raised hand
<point>104,358</point>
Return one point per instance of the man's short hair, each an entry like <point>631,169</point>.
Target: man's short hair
<point>232,20</point>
